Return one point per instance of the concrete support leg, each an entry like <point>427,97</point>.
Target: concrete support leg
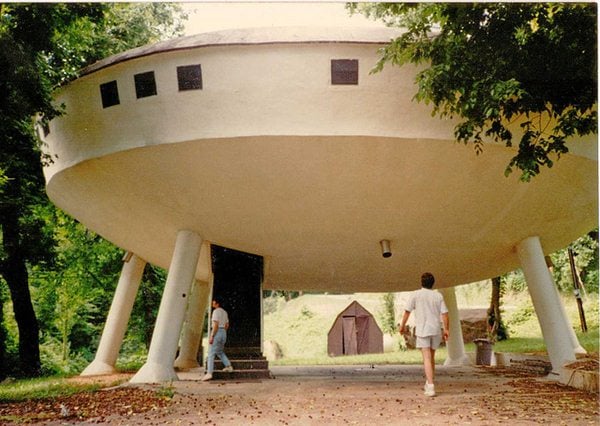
<point>192,329</point>
<point>547,304</point>
<point>455,344</point>
<point>118,316</point>
<point>574,340</point>
<point>171,312</point>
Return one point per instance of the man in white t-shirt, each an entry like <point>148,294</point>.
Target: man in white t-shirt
<point>429,308</point>
<point>217,338</point>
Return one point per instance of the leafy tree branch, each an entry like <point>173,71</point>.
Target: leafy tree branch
<point>492,65</point>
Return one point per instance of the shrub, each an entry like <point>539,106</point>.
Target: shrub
<point>521,315</point>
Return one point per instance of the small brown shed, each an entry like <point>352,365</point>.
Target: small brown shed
<point>353,332</point>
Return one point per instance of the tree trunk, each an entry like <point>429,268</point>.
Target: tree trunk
<point>3,369</point>
<point>493,312</point>
<point>15,274</point>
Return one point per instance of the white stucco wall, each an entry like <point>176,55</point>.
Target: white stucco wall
<point>261,90</point>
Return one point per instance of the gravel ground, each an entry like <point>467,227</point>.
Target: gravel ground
<point>335,395</point>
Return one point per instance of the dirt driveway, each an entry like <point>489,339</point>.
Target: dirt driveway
<point>361,395</point>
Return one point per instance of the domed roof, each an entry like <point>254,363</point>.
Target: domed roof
<point>245,36</point>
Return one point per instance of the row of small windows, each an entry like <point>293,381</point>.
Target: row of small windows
<point>189,77</point>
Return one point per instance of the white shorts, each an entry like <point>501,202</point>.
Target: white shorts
<point>432,342</point>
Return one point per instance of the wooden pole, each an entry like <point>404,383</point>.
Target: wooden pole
<point>577,291</point>
<point>494,309</point>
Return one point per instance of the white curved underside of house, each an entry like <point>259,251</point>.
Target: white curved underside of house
<point>271,158</point>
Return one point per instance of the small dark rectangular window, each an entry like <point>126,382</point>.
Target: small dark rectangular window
<point>145,85</point>
<point>344,71</point>
<point>189,77</point>
<point>46,128</point>
<point>110,94</point>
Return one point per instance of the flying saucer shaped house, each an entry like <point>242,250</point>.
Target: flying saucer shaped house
<point>281,144</point>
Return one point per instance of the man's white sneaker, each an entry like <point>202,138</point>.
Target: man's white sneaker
<point>429,389</point>
<point>228,369</point>
<point>206,377</point>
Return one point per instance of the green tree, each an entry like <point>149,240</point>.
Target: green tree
<point>27,32</point>
<point>42,46</point>
<point>388,314</point>
<point>494,64</point>
<point>71,299</point>
<point>72,296</point>
<point>585,249</point>
<point>146,304</point>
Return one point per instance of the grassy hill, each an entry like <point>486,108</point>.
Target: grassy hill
<point>300,326</point>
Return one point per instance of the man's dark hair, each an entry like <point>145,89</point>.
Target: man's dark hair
<point>219,300</point>
<point>427,280</point>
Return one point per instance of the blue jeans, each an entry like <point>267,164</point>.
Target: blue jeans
<point>217,349</point>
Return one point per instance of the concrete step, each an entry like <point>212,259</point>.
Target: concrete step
<point>245,364</point>
<point>242,374</point>
<point>244,352</point>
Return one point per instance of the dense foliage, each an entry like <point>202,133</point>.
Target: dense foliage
<point>492,65</point>
<point>43,45</point>
<point>585,251</point>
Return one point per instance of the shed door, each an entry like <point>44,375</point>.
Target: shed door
<point>349,335</point>
<point>362,335</point>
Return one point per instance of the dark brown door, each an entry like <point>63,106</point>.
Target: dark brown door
<point>349,335</point>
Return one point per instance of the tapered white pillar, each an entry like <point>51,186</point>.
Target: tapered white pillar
<point>171,312</point>
<point>547,304</point>
<point>192,329</point>
<point>118,316</point>
<point>455,345</point>
<point>572,336</point>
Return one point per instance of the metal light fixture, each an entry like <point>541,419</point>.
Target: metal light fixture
<point>386,251</point>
